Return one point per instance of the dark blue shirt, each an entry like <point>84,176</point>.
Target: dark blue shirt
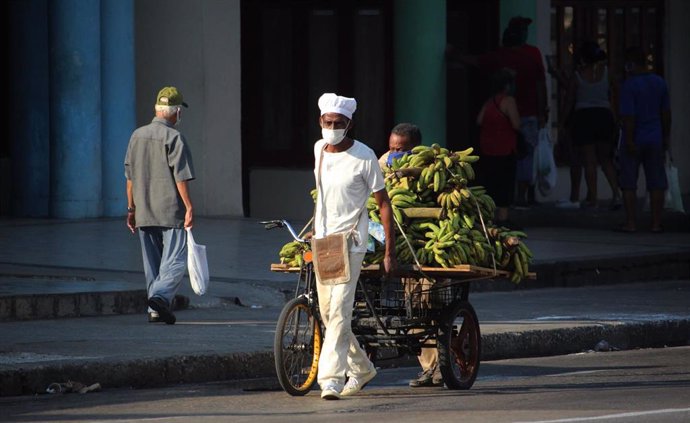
<point>644,97</point>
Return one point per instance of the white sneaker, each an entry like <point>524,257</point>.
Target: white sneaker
<point>330,392</point>
<point>355,385</point>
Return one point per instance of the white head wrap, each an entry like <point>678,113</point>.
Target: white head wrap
<point>332,103</point>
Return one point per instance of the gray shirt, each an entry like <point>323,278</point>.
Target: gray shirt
<point>157,158</point>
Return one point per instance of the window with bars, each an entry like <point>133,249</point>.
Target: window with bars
<point>295,50</point>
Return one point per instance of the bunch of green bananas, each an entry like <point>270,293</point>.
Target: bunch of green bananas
<point>449,243</point>
<point>433,176</point>
<point>292,253</point>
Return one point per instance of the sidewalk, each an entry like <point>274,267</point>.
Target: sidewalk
<point>92,269</point>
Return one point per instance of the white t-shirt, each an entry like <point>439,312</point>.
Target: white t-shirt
<point>347,180</point>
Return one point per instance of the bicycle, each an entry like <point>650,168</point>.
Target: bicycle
<point>385,315</point>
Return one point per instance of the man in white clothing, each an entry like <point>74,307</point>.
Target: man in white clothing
<point>347,172</point>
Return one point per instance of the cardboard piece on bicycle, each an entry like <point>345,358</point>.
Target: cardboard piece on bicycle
<point>461,271</point>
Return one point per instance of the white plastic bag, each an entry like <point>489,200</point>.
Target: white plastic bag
<point>197,265</point>
<point>673,200</point>
<point>545,165</point>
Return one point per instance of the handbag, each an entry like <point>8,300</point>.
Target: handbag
<point>197,265</point>
<point>331,254</point>
<point>331,258</point>
<point>522,148</point>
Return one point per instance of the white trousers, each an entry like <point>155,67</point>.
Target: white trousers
<point>341,355</point>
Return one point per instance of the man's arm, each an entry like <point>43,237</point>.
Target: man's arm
<point>183,189</point>
<point>131,222</point>
<point>390,263</point>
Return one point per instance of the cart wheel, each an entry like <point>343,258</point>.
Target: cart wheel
<point>296,347</point>
<point>459,346</point>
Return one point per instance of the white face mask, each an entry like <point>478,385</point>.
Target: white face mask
<point>334,136</point>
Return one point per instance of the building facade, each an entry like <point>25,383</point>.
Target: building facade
<point>84,73</point>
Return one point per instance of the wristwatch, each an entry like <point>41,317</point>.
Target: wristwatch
<point>130,209</point>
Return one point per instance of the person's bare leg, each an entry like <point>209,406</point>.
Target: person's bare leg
<point>604,154</point>
<point>522,188</point>
<point>630,202</point>
<point>656,205</point>
<point>590,159</point>
<point>575,181</point>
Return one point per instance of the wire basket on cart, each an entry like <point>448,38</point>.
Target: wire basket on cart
<point>411,298</point>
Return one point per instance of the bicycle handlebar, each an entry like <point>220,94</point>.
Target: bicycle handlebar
<point>272,224</point>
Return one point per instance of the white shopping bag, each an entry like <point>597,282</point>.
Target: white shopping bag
<point>197,265</point>
<point>545,166</point>
<point>673,199</point>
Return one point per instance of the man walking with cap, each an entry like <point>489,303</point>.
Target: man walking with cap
<point>158,166</point>
<point>347,172</point>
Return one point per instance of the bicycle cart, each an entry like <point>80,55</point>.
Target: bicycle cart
<point>427,307</point>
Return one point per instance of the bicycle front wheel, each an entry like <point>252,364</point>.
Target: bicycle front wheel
<point>297,346</point>
<point>459,346</point>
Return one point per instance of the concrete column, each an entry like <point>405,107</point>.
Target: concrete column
<point>75,108</point>
<point>420,72</point>
<point>28,106</point>
<point>677,59</point>
<point>117,100</point>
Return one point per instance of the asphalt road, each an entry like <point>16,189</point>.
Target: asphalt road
<point>651,385</point>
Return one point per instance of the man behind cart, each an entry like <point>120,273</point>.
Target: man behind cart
<point>402,139</point>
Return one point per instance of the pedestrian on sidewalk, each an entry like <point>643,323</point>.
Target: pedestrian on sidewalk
<point>530,94</point>
<point>565,139</point>
<point>499,123</point>
<point>347,172</point>
<point>593,125</point>
<point>646,115</point>
<point>404,137</point>
<point>158,167</point>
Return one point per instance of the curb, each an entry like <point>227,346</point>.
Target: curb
<point>80,304</point>
<point>634,268</point>
<point>215,367</point>
<point>619,336</point>
<point>50,306</point>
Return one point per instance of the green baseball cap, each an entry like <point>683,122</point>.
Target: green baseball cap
<point>169,96</point>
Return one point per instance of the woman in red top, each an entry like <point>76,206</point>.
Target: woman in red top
<point>499,122</point>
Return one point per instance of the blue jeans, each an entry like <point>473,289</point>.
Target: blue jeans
<point>164,252</point>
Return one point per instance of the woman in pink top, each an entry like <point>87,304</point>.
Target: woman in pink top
<point>499,122</point>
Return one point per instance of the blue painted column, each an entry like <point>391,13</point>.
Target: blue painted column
<point>75,108</point>
<point>118,99</point>
<point>28,107</point>
<point>420,70</point>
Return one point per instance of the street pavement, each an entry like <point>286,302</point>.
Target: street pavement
<point>72,300</point>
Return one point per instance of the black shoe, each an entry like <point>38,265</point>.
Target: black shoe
<point>159,305</point>
<point>180,302</point>
<point>431,377</point>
